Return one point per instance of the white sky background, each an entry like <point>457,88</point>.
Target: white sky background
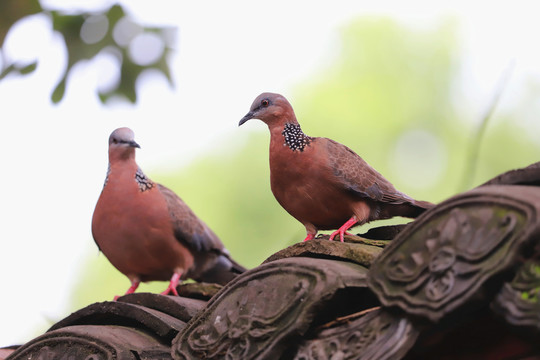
<point>54,158</point>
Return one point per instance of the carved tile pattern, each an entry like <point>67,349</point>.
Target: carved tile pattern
<point>93,342</point>
<point>238,332</point>
<point>60,348</point>
<point>444,257</point>
<point>519,301</point>
<point>253,315</point>
<point>376,335</point>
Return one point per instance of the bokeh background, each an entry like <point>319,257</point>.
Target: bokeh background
<point>404,84</point>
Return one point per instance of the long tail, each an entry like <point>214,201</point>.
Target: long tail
<point>224,270</point>
<point>417,207</point>
<point>423,204</point>
<point>236,267</point>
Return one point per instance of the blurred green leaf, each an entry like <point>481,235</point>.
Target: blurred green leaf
<point>70,27</point>
<point>59,91</point>
<point>18,69</point>
<point>81,48</point>
<point>12,11</point>
<point>28,68</point>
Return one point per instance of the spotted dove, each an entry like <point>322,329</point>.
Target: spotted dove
<point>320,182</point>
<point>147,232</point>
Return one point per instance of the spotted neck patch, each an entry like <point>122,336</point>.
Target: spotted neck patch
<point>144,182</point>
<point>107,176</point>
<point>295,138</point>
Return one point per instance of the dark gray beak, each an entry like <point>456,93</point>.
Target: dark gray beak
<point>248,116</point>
<point>132,143</point>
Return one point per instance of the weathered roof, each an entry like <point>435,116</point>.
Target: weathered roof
<point>461,281</point>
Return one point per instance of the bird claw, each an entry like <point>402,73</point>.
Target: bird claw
<point>172,285</point>
<point>343,229</point>
<point>131,290</point>
<point>309,237</point>
<point>169,290</point>
<point>332,235</point>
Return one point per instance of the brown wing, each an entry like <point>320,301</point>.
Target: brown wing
<point>219,267</point>
<point>356,175</point>
<point>188,228</point>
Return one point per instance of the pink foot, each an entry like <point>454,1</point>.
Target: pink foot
<point>309,237</point>
<point>343,229</point>
<point>131,290</point>
<point>172,285</point>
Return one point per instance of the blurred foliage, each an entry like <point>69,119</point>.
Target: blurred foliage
<point>389,81</point>
<point>386,83</point>
<point>474,147</point>
<point>87,35</point>
<point>12,11</point>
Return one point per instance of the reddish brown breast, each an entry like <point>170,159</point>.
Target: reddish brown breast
<point>304,184</point>
<point>133,229</point>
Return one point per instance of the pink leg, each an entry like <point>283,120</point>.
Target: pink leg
<point>343,229</point>
<point>309,237</point>
<point>131,290</point>
<point>172,285</point>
